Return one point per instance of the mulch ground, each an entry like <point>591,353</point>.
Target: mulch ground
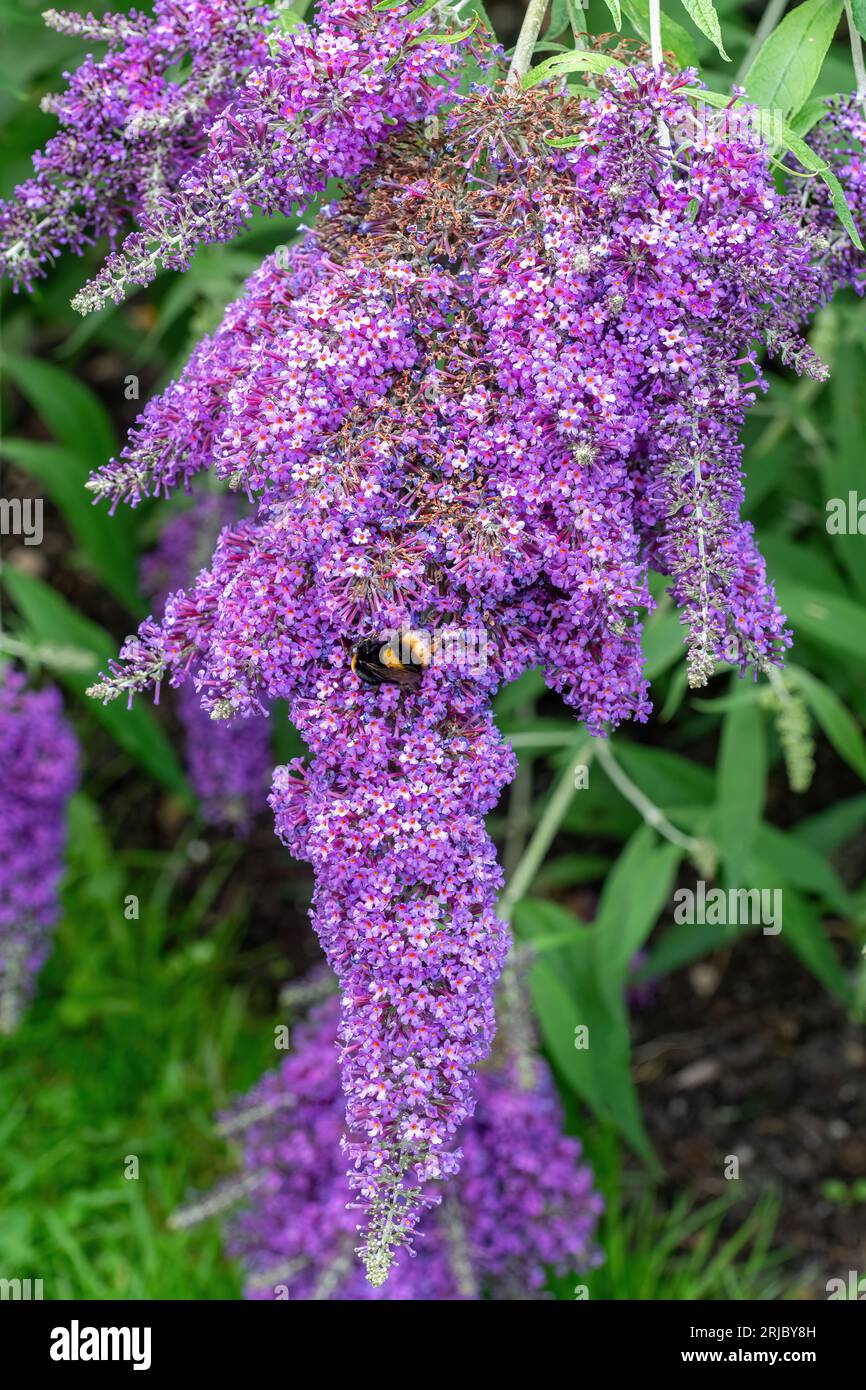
<point>747,1055</point>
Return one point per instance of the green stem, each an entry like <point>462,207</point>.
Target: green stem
<point>520,875</point>
<point>533,856</point>
<point>769,19</point>
<point>519,806</point>
<point>516,1025</point>
<point>652,814</point>
<point>526,40</point>
<point>856,53</point>
<point>657,56</point>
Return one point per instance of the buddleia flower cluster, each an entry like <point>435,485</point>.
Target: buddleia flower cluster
<point>39,755</point>
<point>511,382</point>
<point>500,378</point>
<point>131,124</point>
<point>522,1207</point>
<point>229,764</point>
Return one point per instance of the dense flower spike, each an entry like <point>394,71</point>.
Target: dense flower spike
<point>319,108</point>
<point>522,1206</point>
<point>129,126</point>
<point>391,817</point>
<point>228,763</point>
<point>500,377</point>
<point>40,755</point>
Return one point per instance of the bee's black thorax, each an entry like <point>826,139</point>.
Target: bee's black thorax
<point>398,661</point>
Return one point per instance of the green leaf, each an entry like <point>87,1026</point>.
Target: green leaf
<point>704,17</point>
<point>616,12</point>
<point>568,997</point>
<point>838,724</point>
<point>108,542</point>
<point>809,115</point>
<point>675,39</point>
<point>417,13</point>
<point>519,694</point>
<point>74,415</point>
<point>600,811</point>
<point>50,618</point>
<point>784,559</point>
<point>677,687</point>
<point>569,870</point>
<point>579,60</point>
<point>566,14</point>
<point>833,621</point>
<point>79,421</point>
<point>285,739</point>
<point>663,640</point>
<point>804,932</point>
<point>559,17</point>
<point>858,14</point>
<point>833,827</point>
<point>808,158</point>
<point>801,866</point>
<point>448,38</point>
<point>567,142</point>
<point>787,66</point>
<point>559,1015</point>
<point>633,897</point>
<point>746,696</point>
<point>841,466</point>
<point>685,942</point>
<point>742,787</point>
<point>287,20</point>
<point>667,778</point>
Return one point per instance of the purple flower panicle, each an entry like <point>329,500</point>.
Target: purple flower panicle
<point>129,127</point>
<point>318,107</point>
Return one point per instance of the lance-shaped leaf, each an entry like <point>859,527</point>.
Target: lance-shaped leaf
<point>703,15</point>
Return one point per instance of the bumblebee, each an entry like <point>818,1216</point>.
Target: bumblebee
<point>399,660</point>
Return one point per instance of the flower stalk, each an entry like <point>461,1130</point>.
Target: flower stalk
<point>526,41</point>
<point>856,54</point>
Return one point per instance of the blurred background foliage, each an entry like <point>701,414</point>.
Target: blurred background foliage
<point>714,1040</point>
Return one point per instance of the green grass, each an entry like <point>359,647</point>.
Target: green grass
<point>683,1252</point>
<point>134,1040</point>
<point>680,1253</point>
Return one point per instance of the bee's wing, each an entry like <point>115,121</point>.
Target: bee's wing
<point>404,675</point>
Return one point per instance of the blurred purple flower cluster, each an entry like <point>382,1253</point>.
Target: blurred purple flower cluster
<point>839,138</point>
<point>523,1205</point>
<point>39,757</point>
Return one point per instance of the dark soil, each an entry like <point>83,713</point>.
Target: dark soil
<point>746,1055</point>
